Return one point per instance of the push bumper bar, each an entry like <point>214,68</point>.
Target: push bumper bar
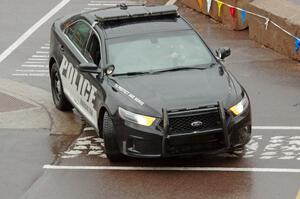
<point>167,136</point>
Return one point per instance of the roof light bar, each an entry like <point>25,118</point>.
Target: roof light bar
<point>135,12</point>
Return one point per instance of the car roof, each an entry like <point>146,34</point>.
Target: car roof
<point>144,27</point>
<point>133,20</point>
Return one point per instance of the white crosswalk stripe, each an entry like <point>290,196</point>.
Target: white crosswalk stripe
<point>38,59</point>
<point>36,65</point>
<point>35,62</point>
<point>33,66</point>
<point>30,74</point>
<point>32,71</point>
<point>42,52</point>
<point>38,56</point>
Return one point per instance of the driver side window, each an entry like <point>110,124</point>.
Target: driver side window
<point>78,33</point>
<point>92,52</point>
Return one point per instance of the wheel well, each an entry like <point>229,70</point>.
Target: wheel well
<point>51,62</point>
<point>100,118</point>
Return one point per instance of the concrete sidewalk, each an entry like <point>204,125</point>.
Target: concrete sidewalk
<point>32,133</point>
<point>286,14</point>
<point>26,107</point>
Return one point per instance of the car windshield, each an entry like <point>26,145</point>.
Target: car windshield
<point>158,51</point>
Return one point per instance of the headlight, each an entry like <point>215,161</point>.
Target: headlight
<point>136,118</point>
<point>240,107</point>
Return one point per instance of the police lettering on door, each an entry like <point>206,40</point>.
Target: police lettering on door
<point>75,84</point>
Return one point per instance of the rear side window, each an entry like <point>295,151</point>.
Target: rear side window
<point>78,33</point>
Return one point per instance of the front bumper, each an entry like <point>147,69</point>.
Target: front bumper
<point>139,141</point>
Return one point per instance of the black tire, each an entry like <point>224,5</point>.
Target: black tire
<point>59,98</point>
<point>110,141</point>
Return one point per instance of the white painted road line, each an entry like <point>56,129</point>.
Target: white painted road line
<point>39,56</point>
<point>30,75</point>
<point>37,59</point>
<point>35,62</point>
<point>45,47</point>
<point>32,71</point>
<point>20,74</point>
<point>42,52</point>
<point>38,74</point>
<point>276,127</point>
<point>218,169</point>
<point>32,29</point>
<point>33,65</point>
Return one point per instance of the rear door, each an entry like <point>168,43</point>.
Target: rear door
<point>77,85</point>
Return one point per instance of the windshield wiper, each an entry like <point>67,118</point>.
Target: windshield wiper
<point>178,69</point>
<point>164,70</point>
<point>131,73</point>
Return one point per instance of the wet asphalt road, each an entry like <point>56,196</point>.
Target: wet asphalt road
<point>295,1</point>
<point>272,81</point>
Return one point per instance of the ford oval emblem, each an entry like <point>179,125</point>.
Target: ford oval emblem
<point>196,123</point>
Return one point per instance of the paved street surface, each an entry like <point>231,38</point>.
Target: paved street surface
<point>295,1</point>
<point>48,154</point>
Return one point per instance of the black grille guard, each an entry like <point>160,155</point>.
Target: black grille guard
<point>166,131</point>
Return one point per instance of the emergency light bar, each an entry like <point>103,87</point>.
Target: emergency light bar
<point>130,12</point>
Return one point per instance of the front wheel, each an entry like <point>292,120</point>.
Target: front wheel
<point>59,98</point>
<point>110,141</point>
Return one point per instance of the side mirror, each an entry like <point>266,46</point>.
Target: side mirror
<point>109,69</point>
<point>223,52</point>
<point>89,68</point>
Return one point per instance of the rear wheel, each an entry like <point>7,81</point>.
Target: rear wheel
<point>59,98</point>
<point>110,141</point>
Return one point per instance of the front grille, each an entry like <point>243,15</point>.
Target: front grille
<point>183,137</point>
<point>201,143</point>
<point>179,124</point>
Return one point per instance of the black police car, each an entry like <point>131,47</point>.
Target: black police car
<point>148,83</point>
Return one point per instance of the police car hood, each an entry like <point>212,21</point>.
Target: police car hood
<point>182,89</point>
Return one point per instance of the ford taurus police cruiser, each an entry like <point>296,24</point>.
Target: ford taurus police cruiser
<point>148,83</point>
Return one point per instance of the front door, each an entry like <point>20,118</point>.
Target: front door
<point>77,86</point>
